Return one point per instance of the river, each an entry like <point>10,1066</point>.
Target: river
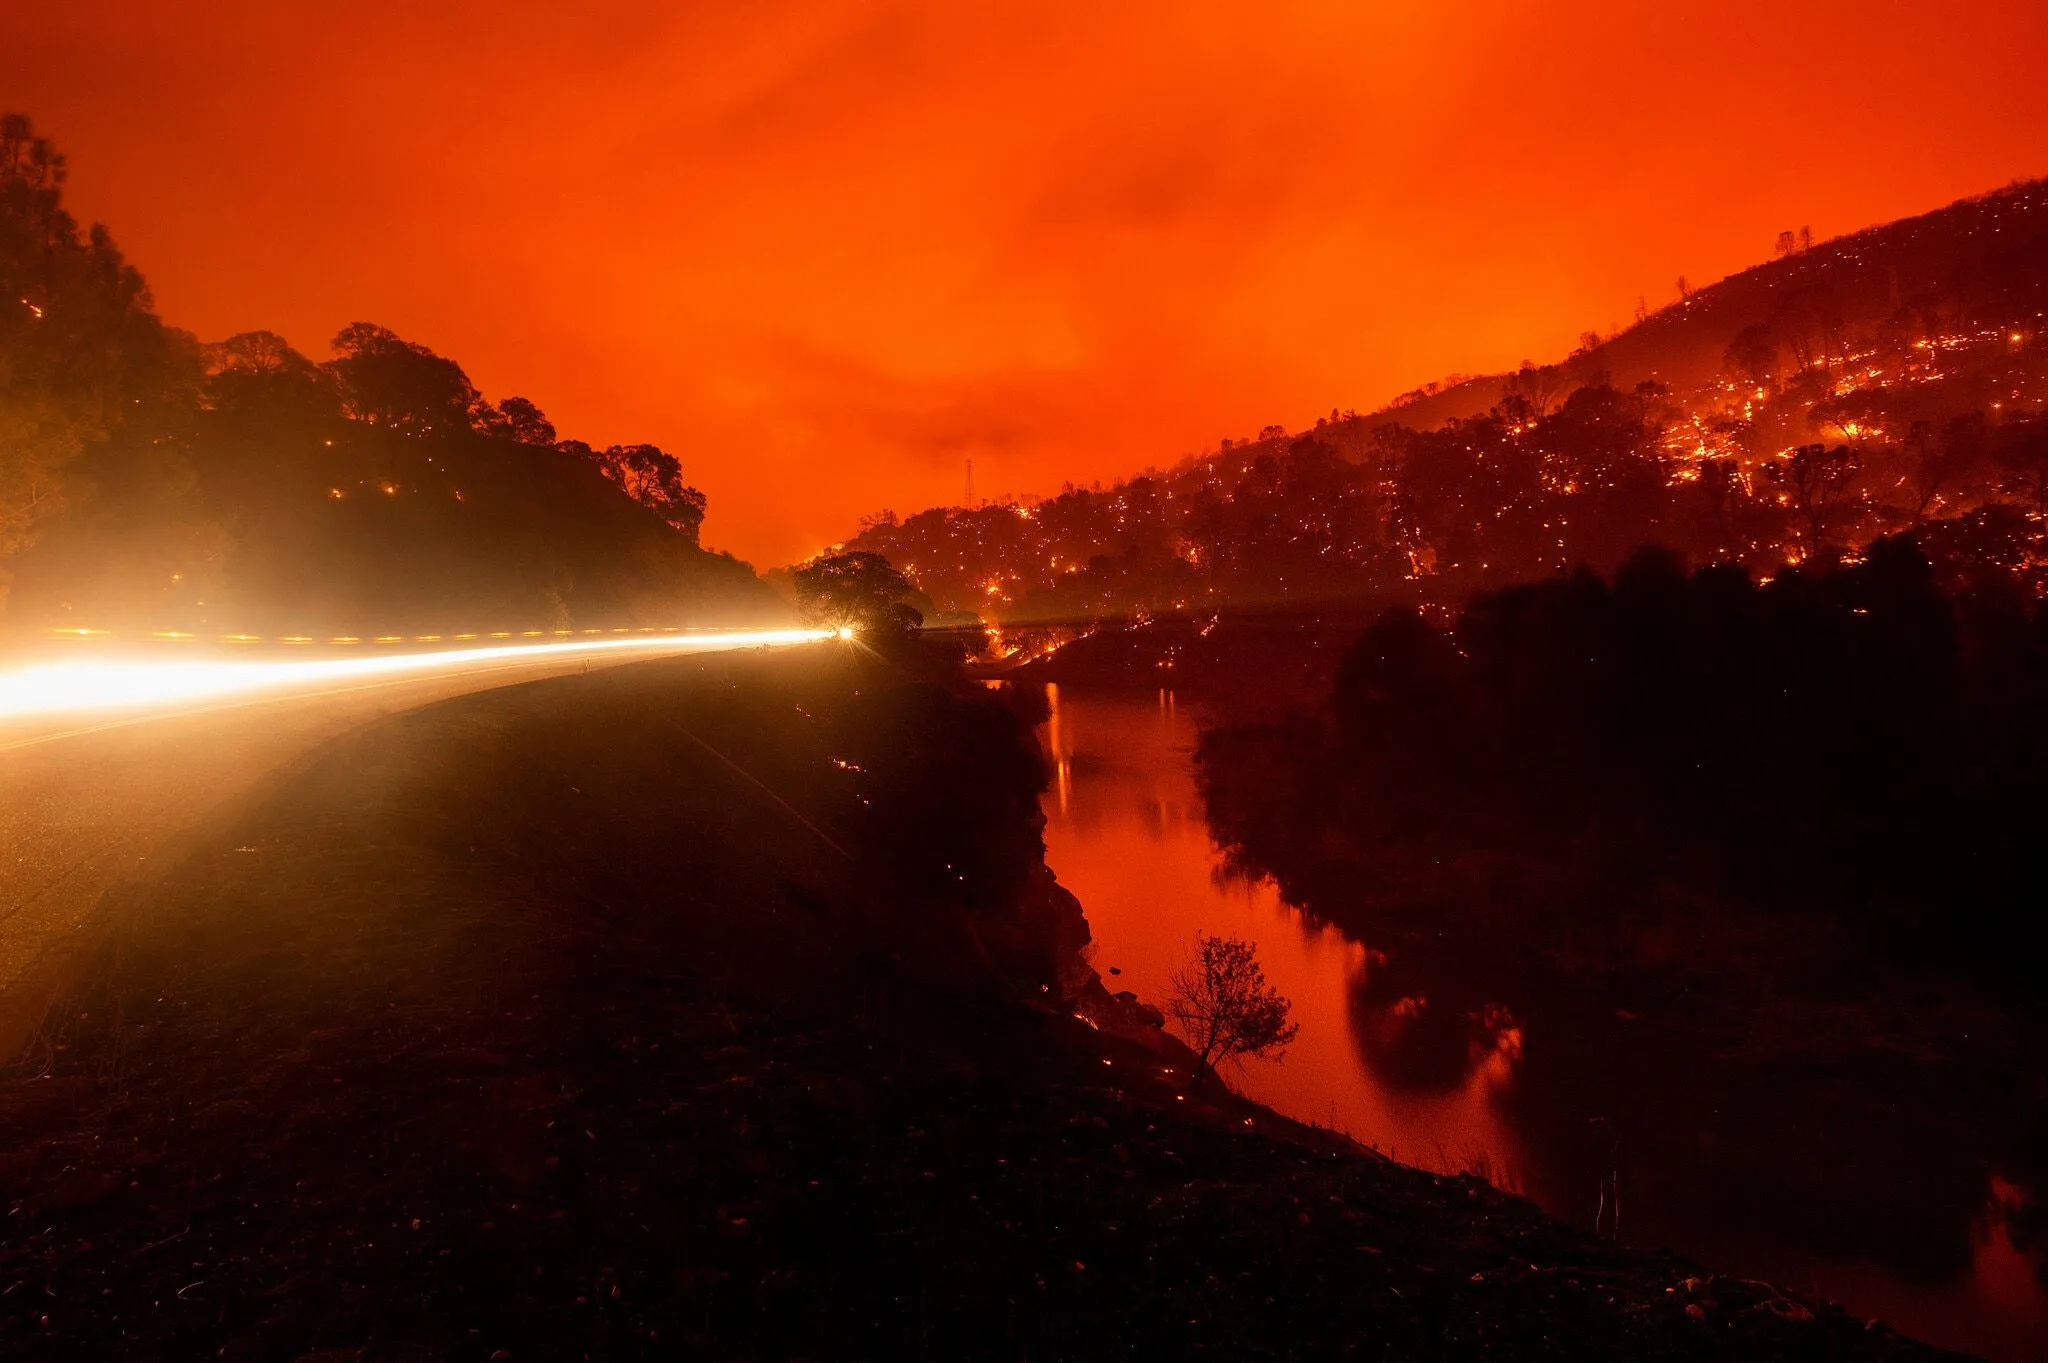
<point>1125,832</point>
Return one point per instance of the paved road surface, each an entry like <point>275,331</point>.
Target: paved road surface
<point>90,799</point>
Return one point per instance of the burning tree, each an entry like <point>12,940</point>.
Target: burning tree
<point>1224,1005</point>
<point>1816,480</point>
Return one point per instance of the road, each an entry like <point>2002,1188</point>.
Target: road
<point>105,765</point>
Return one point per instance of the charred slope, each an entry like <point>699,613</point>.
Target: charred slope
<point>1981,261</point>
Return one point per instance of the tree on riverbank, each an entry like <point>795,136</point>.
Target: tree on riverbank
<point>1224,1005</point>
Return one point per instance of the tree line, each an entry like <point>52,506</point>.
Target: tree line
<point>1517,493</point>
<point>1892,381</point>
<point>1854,743</point>
<point>107,412</point>
<point>379,378</point>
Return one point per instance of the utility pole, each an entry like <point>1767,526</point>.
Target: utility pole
<point>970,485</point>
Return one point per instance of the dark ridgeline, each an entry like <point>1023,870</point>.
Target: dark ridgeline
<point>1854,742</point>
<point>150,482</point>
<point>1752,867</point>
<point>1889,380</point>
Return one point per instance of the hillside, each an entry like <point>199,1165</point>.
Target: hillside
<point>1979,264</point>
<point>362,532</point>
<point>151,483</point>
<point>1888,381</point>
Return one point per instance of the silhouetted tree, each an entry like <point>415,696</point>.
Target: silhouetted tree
<point>1539,386</point>
<point>1809,322</point>
<point>257,352</point>
<point>257,374</point>
<point>1225,1007</point>
<point>525,422</point>
<point>1937,461</point>
<point>1817,480</point>
<point>82,354</point>
<point>2023,463</point>
<point>1752,356</point>
<point>654,478</point>
<point>387,380</point>
<point>858,591</point>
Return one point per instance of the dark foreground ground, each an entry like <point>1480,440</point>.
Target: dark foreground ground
<point>594,1018</point>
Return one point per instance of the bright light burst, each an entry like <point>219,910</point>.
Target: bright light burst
<point>146,683</point>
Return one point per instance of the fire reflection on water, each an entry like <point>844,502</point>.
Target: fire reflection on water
<point>1125,833</point>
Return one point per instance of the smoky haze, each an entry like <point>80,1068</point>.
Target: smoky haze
<point>837,249</point>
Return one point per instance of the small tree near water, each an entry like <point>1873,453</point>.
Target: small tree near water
<point>1224,1005</point>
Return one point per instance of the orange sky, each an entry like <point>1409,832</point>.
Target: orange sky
<point>827,251</point>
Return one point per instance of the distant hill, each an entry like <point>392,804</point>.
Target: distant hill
<point>151,483</point>
<point>1893,380</point>
<point>1977,263</point>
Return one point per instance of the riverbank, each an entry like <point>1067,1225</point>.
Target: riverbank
<point>1206,655</point>
<point>631,1015</point>
<point>1756,1121</point>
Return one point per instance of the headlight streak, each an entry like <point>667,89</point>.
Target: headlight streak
<point>149,684</point>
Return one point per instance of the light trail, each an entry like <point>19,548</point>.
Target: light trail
<point>112,684</point>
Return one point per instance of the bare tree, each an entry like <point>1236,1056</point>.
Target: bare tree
<point>1752,356</point>
<point>1224,1005</point>
<point>526,423</point>
<point>1936,462</point>
<point>1809,321</point>
<point>1540,388</point>
<point>257,352</point>
<point>2023,465</point>
<point>1816,481</point>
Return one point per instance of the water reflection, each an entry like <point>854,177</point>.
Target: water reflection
<point>1125,833</point>
<point>1404,1055</point>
